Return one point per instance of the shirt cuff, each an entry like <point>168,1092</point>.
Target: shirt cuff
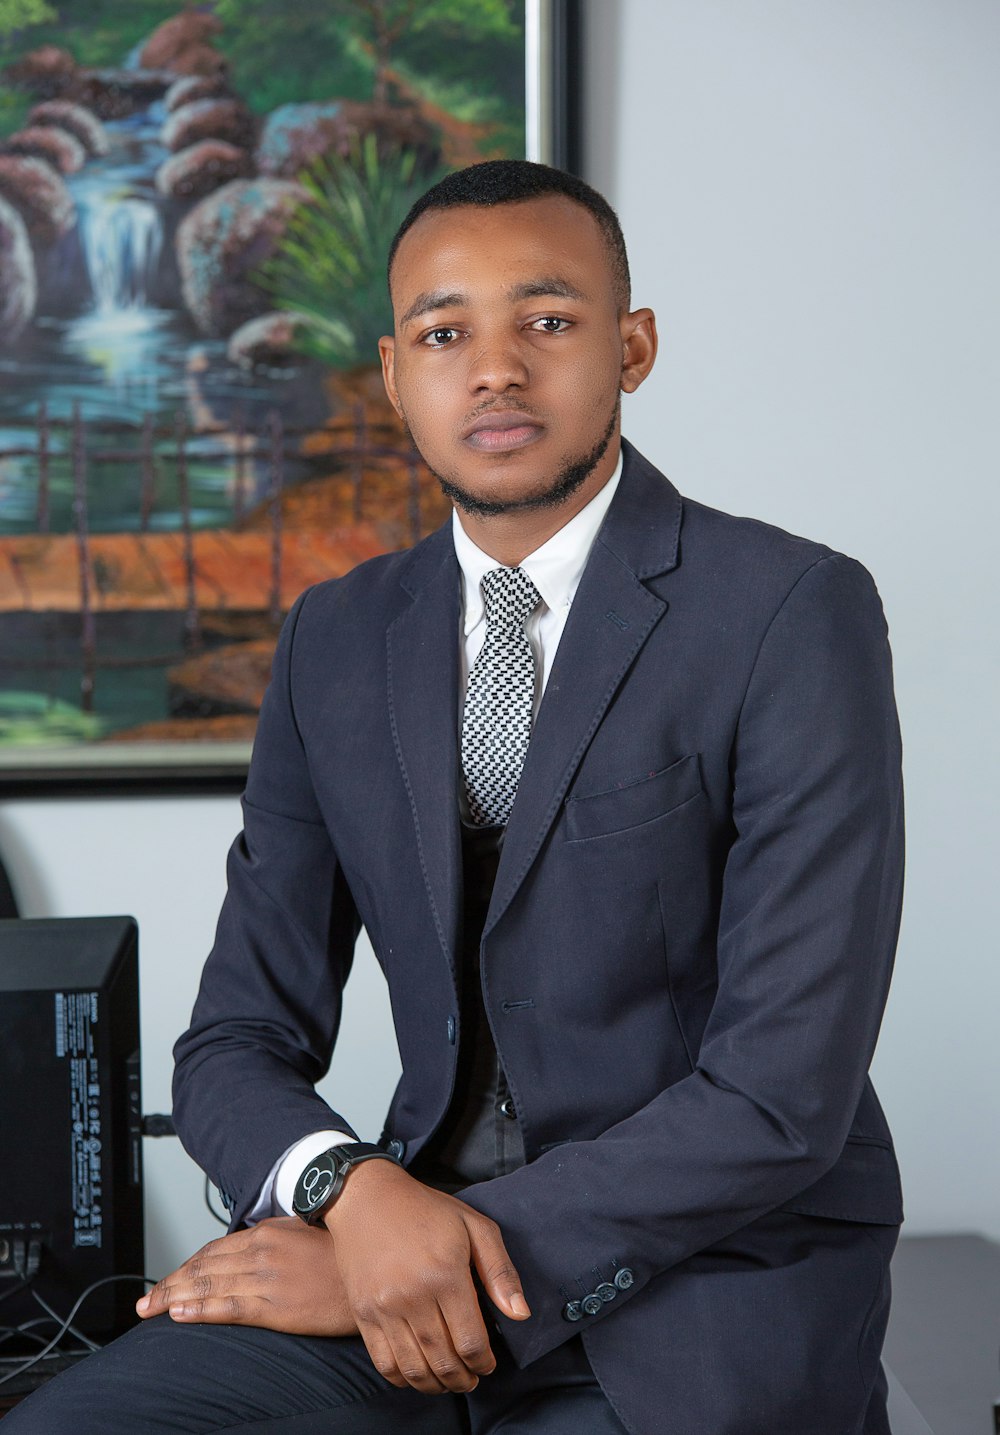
<point>278,1190</point>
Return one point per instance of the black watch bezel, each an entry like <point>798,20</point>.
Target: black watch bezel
<point>323,1178</point>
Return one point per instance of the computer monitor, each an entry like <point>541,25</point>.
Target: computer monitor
<point>70,1121</point>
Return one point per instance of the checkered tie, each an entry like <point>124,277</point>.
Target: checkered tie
<point>500,697</point>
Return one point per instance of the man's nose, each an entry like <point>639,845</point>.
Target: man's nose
<point>498,364</point>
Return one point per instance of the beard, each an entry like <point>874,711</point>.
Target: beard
<point>573,473</point>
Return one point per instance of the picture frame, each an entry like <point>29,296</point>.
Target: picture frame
<point>75,455</point>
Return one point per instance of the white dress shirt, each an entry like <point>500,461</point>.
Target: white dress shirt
<point>555,569</point>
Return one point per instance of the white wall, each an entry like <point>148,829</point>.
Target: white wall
<point>810,197</point>
<point>806,193</point>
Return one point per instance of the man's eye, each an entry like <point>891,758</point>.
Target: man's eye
<point>437,338</point>
<point>550,324</point>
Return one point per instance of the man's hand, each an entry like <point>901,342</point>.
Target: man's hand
<point>280,1274</point>
<point>405,1254</point>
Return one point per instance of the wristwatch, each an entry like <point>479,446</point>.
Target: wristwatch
<point>323,1179</point>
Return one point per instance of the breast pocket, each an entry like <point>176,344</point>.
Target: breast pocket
<point>617,809</point>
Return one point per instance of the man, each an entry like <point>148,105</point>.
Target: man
<point>637,964</point>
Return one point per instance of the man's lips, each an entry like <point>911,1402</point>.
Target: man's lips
<point>502,430</point>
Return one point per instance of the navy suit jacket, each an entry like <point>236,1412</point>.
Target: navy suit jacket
<point>686,956</point>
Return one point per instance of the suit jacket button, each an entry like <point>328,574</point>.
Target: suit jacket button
<point>591,1304</point>
<point>507,1107</point>
<point>451,1031</point>
<point>606,1291</point>
<point>624,1278</point>
<point>572,1311</point>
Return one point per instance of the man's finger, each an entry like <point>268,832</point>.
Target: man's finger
<point>184,1287</point>
<point>219,1310</point>
<point>381,1354</point>
<point>467,1330</point>
<point>433,1335</point>
<point>496,1270</point>
<point>400,1359</point>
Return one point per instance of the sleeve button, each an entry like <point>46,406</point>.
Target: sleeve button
<point>606,1291</point>
<point>572,1311</point>
<point>591,1304</point>
<point>624,1278</point>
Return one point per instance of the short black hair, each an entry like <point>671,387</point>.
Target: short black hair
<point>509,181</point>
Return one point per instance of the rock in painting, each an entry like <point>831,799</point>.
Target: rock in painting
<point>39,195</point>
<point>228,120</point>
<point>57,147</point>
<point>266,343</point>
<point>196,171</point>
<point>200,60</point>
<point>44,72</point>
<point>221,244</point>
<point>171,44</point>
<point>18,285</point>
<point>196,87</point>
<point>116,94</point>
<point>294,135</point>
<point>81,123</point>
<point>230,679</point>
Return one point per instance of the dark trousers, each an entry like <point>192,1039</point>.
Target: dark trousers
<point>169,1379</point>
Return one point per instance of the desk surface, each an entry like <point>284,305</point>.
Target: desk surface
<point>943,1340</point>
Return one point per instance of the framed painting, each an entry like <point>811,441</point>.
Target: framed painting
<point>196,202</point>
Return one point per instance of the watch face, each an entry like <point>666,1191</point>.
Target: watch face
<point>315,1184</point>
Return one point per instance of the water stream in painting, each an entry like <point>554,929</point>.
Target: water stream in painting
<point>115,339</point>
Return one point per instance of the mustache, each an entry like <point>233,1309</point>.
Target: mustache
<point>501,406</point>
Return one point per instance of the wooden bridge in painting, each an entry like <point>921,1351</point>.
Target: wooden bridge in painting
<point>251,570</point>
<point>216,569</point>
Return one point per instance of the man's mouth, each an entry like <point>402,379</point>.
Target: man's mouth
<point>502,430</point>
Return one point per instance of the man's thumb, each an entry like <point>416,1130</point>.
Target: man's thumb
<point>497,1272</point>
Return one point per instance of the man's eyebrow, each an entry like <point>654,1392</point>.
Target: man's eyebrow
<point>432,299</point>
<point>549,286</point>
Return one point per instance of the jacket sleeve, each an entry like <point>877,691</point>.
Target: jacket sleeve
<point>806,936</point>
<point>269,1005</point>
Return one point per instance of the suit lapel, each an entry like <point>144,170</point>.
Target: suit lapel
<point>612,616</point>
<point>423,709</point>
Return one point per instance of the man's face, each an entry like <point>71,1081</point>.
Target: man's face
<point>509,353</point>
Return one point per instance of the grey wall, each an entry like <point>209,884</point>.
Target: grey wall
<point>806,194</point>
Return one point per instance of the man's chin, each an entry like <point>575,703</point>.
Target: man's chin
<point>489,503</point>
<point>486,502</point>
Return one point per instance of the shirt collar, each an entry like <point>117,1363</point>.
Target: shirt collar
<point>555,568</point>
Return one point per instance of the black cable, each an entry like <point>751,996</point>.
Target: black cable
<point>70,1329</point>
<point>222,1220</point>
<point>8,1332</point>
<point>32,1360</point>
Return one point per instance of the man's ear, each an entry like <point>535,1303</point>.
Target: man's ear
<point>387,354</point>
<point>638,331</point>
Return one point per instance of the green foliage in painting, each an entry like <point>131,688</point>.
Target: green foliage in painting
<point>385,22</point>
<point>284,52</point>
<point>330,268</point>
<point>359,50</point>
<point>35,718</point>
<point>17,14</point>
